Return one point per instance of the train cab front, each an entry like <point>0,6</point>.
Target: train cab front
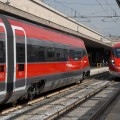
<point>114,63</point>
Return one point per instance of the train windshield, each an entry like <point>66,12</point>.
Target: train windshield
<point>117,52</point>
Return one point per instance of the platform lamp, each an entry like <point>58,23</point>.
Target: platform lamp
<point>118,2</point>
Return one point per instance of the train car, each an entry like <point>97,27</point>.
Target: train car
<point>114,63</point>
<point>35,59</point>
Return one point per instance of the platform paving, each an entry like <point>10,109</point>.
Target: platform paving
<point>115,113</point>
<point>96,70</point>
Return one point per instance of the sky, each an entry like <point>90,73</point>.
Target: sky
<point>102,16</point>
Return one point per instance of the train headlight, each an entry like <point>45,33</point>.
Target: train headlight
<point>113,62</point>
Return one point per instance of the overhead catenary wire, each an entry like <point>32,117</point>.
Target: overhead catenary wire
<point>88,17</point>
<point>77,3</point>
<point>76,13</point>
<point>106,12</point>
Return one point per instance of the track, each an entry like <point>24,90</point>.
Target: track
<point>92,108</point>
<point>63,101</point>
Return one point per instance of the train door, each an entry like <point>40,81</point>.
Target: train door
<point>20,58</point>
<point>3,59</point>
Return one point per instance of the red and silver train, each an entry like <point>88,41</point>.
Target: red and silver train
<point>35,59</point>
<point>114,63</point>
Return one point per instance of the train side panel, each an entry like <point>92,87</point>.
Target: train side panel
<point>43,59</point>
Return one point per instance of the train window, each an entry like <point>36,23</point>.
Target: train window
<point>71,55</point>
<point>2,45</point>
<point>77,55</point>
<point>41,54</point>
<point>50,54</point>
<point>58,54</point>
<point>20,48</point>
<point>64,55</point>
<point>32,53</point>
<point>74,55</point>
<point>61,54</point>
<point>2,52</point>
<point>84,52</point>
<point>117,52</point>
<point>29,51</point>
<point>35,53</point>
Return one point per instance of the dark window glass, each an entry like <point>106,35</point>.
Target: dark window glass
<point>75,55</point>
<point>41,54</point>
<point>64,55</point>
<point>61,54</point>
<point>50,54</point>
<point>71,54</point>
<point>29,53</point>
<point>2,45</point>
<point>35,53</point>
<point>116,52</point>
<point>58,54</point>
<point>20,52</point>
<point>20,46</point>
<point>84,52</point>
<point>2,52</point>
<point>32,53</point>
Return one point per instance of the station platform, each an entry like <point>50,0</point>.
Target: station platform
<point>95,70</point>
<point>115,113</point>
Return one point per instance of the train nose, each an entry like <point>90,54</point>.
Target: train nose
<point>117,64</point>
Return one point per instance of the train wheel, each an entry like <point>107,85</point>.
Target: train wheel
<point>82,78</point>
<point>31,93</point>
<point>86,74</point>
<point>14,103</point>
